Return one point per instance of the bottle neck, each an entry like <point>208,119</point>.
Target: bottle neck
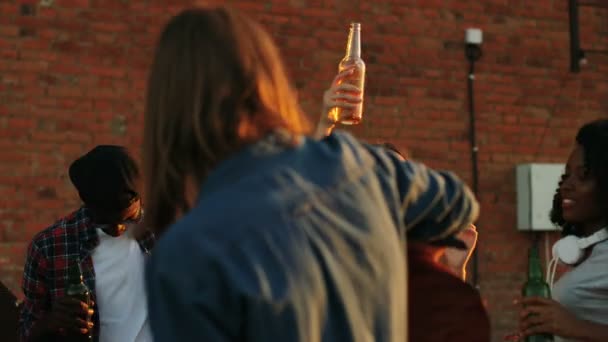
<point>535,270</point>
<point>353,47</point>
<point>75,273</point>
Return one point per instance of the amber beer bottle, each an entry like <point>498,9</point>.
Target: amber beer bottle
<point>536,286</point>
<point>78,289</point>
<point>352,59</point>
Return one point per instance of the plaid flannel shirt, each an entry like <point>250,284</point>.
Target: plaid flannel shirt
<point>45,273</point>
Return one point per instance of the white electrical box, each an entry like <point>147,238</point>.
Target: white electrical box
<point>536,186</point>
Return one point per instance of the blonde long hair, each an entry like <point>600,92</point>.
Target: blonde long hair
<point>217,83</point>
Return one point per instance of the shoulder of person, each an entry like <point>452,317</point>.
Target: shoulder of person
<point>345,143</point>
<point>59,228</point>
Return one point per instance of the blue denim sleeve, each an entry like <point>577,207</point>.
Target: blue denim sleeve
<point>181,306</point>
<point>432,205</point>
<point>435,204</point>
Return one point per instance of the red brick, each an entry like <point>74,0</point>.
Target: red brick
<point>107,72</point>
<point>105,38</point>
<point>21,123</point>
<point>9,9</point>
<point>109,27</point>
<point>24,66</point>
<point>8,30</point>
<point>72,3</point>
<point>8,54</point>
<point>61,91</point>
<point>47,12</point>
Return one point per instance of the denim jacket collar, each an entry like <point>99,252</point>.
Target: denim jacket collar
<point>248,159</point>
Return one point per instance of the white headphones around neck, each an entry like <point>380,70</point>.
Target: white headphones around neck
<point>571,249</point>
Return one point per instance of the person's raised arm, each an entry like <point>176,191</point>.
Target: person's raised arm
<point>435,205</point>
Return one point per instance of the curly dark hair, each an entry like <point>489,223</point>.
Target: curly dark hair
<point>593,138</point>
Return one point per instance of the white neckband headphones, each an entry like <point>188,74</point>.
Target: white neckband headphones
<point>570,250</point>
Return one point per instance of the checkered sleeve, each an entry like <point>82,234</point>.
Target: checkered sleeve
<point>34,286</point>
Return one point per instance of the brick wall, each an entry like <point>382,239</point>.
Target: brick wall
<point>72,75</point>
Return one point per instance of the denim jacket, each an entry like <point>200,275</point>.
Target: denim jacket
<point>301,242</point>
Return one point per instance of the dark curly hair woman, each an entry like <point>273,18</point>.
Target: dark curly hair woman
<point>579,308</point>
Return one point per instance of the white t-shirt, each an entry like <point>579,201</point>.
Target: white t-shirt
<point>120,290</point>
<point>584,289</point>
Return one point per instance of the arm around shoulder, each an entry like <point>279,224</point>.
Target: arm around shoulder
<point>435,203</point>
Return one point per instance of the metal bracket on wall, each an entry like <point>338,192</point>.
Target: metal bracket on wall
<point>577,54</point>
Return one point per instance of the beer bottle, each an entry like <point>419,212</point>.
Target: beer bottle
<point>78,289</point>
<point>352,58</point>
<point>536,286</point>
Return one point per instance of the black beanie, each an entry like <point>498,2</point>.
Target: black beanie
<point>106,178</point>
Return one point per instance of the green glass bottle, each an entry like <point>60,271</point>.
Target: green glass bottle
<point>536,286</point>
<point>78,289</point>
